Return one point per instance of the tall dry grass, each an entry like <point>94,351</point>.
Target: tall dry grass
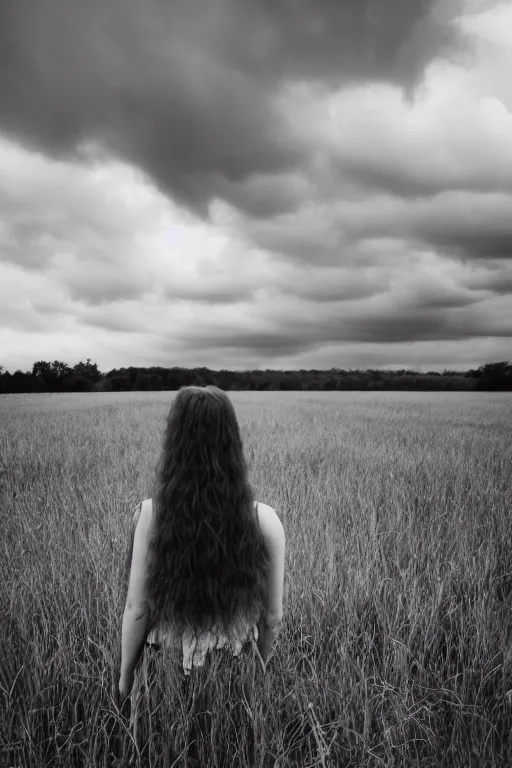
<point>395,648</point>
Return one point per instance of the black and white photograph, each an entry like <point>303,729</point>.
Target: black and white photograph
<point>255,383</point>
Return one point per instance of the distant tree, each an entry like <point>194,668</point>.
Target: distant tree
<point>5,382</point>
<point>54,373</point>
<point>60,369</point>
<point>132,377</point>
<point>75,383</point>
<point>173,379</point>
<point>57,376</point>
<point>496,377</point>
<point>39,384</point>
<point>120,383</point>
<point>224,379</point>
<point>42,368</point>
<point>21,382</point>
<point>115,383</point>
<point>142,382</point>
<point>87,370</point>
<point>155,382</point>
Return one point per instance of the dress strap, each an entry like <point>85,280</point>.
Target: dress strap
<point>257,516</point>
<point>136,515</point>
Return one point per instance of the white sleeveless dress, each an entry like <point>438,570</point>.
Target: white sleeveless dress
<point>195,645</point>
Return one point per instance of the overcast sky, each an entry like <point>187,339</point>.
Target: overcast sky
<point>256,183</point>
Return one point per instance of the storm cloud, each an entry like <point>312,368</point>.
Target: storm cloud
<point>271,181</point>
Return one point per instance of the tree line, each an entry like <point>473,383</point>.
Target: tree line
<point>85,376</point>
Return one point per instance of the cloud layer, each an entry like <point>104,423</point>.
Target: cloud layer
<point>256,184</point>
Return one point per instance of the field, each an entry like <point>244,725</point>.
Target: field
<point>396,644</point>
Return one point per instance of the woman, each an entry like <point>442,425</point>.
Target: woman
<point>207,563</point>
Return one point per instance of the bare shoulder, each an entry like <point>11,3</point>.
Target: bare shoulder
<point>271,525</point>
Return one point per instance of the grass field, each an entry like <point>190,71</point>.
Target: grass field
<point>396,643</point>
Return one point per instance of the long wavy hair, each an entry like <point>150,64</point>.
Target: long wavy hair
<point>207,561</point>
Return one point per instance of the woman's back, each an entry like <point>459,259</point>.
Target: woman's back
<point>196,644</point>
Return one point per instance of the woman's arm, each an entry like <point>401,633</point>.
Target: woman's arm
<point>134,633</point>
<point>136,612</point>
<point>270,622</point>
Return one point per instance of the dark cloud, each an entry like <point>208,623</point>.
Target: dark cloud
<point>409,180</point>
<point>95,289</point>
<point>402,323</point>
<point>204,293</point>
<point>264,343</point>
<point>300,238</point>
<point>469,242</point>
<point>325,286</point>
<point>335,42</point>
<point>186,89</point>
<point>460,225</point>
<point>498,281</point>
<point>264,196</point>
<point>469,227</point>
<point>442,299</point>
<point>110,322</point>
<point>393,323</point>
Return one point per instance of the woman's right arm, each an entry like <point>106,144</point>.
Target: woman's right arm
<point>270,622</point>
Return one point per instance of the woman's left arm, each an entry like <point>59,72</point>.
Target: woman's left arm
<point>136,612</point>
